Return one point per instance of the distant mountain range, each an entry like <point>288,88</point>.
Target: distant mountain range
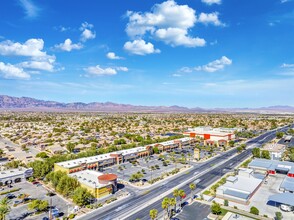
<point>31,104</point>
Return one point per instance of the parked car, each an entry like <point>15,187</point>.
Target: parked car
<point>10,196</point>
<point>16,202</point>
<point>35,182</point>
<point>286,208</point>
<point>55,212</point>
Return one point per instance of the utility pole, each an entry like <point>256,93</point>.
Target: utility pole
<point>50,209</point>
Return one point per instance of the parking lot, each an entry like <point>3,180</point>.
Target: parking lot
<point>260,198</point>
<point>195,211</point>
<point>125,170</point>
<point>35,192</point>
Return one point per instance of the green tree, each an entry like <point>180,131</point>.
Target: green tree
<point>279,216</point>
<point>13,164</point>
<point>82,196</point>
<point>43,205</point>
<point>192,187</point>
<point>215,208</point>
<point>41,168</point>
<point>226,202</point>
<point>70,147</point>
<point>256,152</point>
<point>254,210</point>
<point>42,155</point>
<point>39,205</point>
<point>55,177</point>
<point>67,185</point>
<point>239,149</point>
<point>153,214</point>
<point>291,157</point>
<point>155,150</point>
<point>176,194</point>
<point>172,203</point>
<point>4,208</point>
<point>182,194</point>
<point>165,205</point>
<point>265,154</point>
<point>231,143</point>
<point>279,135</point>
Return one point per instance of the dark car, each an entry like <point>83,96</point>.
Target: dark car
<point>10,196</point>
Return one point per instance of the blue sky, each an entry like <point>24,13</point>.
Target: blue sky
<point>206,53</point>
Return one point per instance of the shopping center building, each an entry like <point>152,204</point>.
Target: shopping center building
<point>97,183</point>
<point>15,175</point>
<point>105,160</point>
<point>212,136</point>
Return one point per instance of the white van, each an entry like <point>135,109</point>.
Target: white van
<point>286,208</point>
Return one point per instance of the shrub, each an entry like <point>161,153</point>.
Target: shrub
<point>254,210</point>
<point>226,202</point>
<point>215,208</point>
<point>279,216</point>
<point>71,216</point>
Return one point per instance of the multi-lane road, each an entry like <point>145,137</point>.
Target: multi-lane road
<point>138,204</point>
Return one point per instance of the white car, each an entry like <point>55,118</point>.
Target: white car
<point>286,208</point>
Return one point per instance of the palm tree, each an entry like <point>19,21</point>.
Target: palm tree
<point>153,214</point>
<point>192,187</point>
<point>165,204</point>
<point>172,202</point>
<point>4,208</point>
<point>173,158</point>
<point>181,195</point>
<point>176,194</point>
<point>189,155</point>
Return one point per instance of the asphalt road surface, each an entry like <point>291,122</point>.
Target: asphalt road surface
<point>131,204</point>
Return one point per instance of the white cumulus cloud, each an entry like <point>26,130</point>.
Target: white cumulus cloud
<point>211,2</point>
<point>177,37</point>
<point>87,32</point>
<point>68,46</point>
<point>113,56</point>
<point>215,65</point>
<point>9,71</point>
<point>210,18</point>
<point>46,65</point>
<point>168,22</point>
<point>32,48</point>
<point>140,47</point>
<point>99,71</point>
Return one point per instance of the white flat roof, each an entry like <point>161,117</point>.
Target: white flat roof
<point>243,184</point>
<point>77,162</point>
<point>89,178</point>
<point>130,151</point>
<point>12,172</point>
<point>216,133</point>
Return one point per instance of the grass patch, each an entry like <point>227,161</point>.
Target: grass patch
<point>224,212</point>
<point>206,192</point>
<point>10,191</point>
